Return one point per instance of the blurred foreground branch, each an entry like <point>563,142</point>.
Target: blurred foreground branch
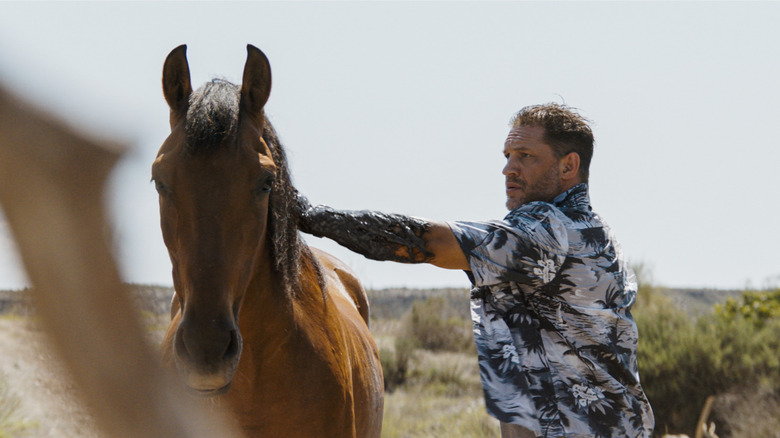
<point>51,188</point>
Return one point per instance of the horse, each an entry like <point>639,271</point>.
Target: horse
<point>269,329</point>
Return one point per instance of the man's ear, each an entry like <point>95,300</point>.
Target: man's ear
<point>569,166</point>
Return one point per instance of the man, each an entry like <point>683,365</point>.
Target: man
<point>552,294</point>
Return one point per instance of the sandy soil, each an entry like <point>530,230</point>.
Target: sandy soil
<point>48,401</point>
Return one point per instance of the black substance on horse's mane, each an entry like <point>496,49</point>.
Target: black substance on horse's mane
<point>211,118</point>
<point>212,115</point>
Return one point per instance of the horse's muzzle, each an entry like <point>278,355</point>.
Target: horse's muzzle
<point>206,393</point>
<point>207,359</point>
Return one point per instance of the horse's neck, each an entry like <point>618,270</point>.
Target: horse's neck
<point>268,311</point>
<point>264,303</point>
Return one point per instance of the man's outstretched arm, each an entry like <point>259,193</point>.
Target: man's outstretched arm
<point>381,236</point>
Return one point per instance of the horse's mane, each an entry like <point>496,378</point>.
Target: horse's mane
<point>212,117</point>
<point>288,248</point>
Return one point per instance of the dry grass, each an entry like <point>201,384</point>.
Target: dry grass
<point>752,413</point>
<point>416,412</point>
<point>443,397</point>
<point>11,422</point>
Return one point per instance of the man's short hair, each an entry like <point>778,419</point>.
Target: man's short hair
<point>564,130</point>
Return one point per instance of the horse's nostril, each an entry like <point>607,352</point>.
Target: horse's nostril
<point>234,346</point>
<point>180,345</point>
<point>206,349</point>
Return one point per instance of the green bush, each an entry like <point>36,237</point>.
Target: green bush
<point>435,325</point>
<point>684,359</point>
<point>758,307</point>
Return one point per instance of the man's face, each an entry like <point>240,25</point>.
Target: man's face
<point>532,169</point>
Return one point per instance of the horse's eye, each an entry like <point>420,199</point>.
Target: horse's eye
<point>266,185</point>
<point>160,187</point>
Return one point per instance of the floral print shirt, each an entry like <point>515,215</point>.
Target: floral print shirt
<point>552,323</point>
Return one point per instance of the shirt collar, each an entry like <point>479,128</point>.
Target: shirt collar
<point>576,197</point>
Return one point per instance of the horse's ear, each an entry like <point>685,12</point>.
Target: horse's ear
<point>176,80</point>
<point>256,86</point>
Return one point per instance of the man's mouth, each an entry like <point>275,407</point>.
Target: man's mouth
<point>512,186</point>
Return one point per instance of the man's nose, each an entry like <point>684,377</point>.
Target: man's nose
<point>510,169</point>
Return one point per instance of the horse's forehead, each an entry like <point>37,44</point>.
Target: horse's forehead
<point>237,160</point>
<point>177,164</point>
<point>246,144</point>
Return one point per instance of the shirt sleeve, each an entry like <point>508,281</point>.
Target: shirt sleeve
<point>527,247</point>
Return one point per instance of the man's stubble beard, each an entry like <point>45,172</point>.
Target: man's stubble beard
<point>544,189</point>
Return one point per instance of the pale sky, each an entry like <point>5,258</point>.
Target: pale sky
<point>404,107</point>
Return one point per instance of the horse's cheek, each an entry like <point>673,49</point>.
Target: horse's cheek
<point>169,219</point>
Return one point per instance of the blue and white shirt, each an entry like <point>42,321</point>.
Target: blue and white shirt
<point>552,322</point>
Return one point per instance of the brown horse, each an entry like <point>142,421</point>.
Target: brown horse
<point>275,332</point>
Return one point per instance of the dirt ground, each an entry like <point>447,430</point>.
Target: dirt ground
<point>47,399</point>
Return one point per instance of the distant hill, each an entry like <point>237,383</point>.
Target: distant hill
<point>14,302</point>
<point>699,301</point>
<point>150,298</point>
<point>389,303</point>
<point>394,302</point>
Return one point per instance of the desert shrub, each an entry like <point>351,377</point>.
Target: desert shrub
<point>432,324</point>
<point>674,364</point>
<point>445,374</point>
<point>395,363</point>
<point>435,325</point>
<point>684,359</point>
